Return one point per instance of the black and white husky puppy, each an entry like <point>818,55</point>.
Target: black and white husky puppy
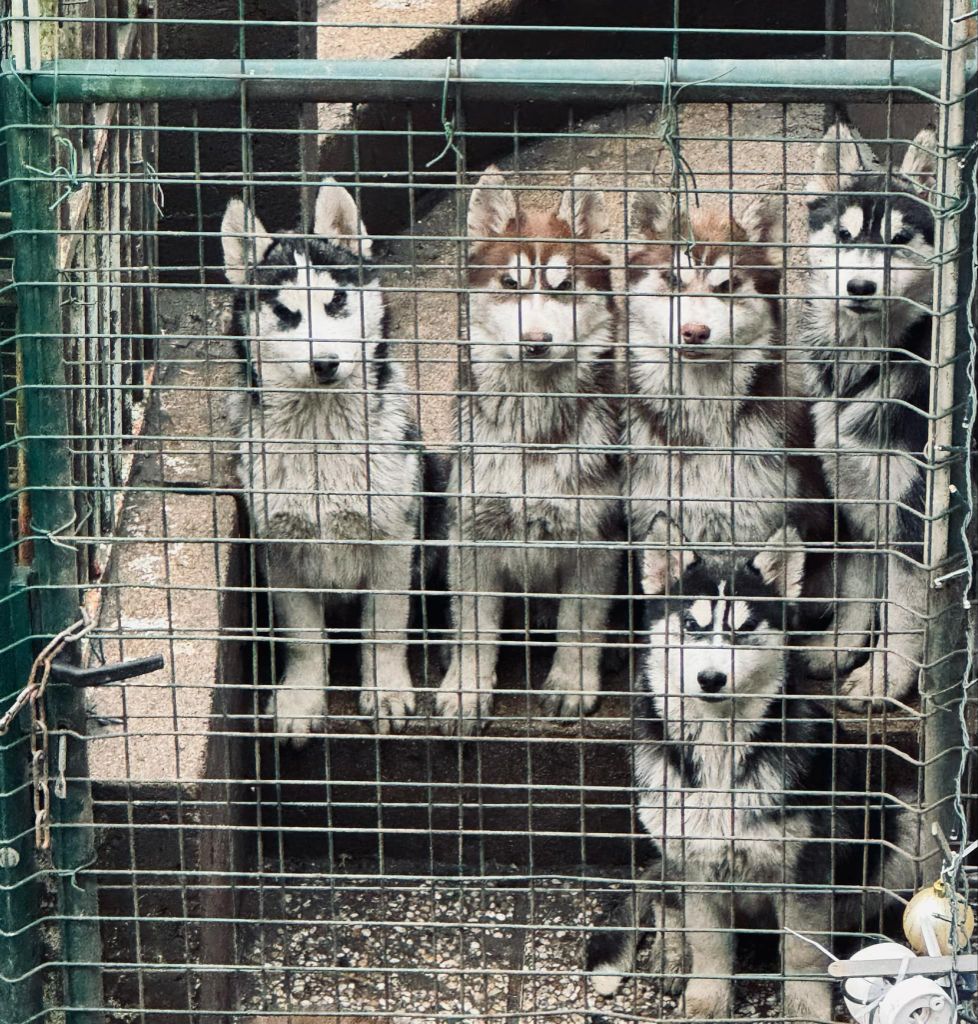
<point>536,482</point>
<point>868,326</point>
<point>329,455</point>
<point>752,798</point>
<point>715,421</point>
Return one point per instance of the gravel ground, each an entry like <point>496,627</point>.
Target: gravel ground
<point>417,949</point>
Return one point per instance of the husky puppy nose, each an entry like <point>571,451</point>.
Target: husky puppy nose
<point>536,343</point>
<point>861,287</point>
<point>695,334</point>
<point>712,682</point>
<point>325,370</point>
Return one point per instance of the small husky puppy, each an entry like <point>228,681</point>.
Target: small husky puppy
<point>868,326</point>
<point>714,420</point>
<point>536,480</point>
<point>742,788</point>
<point>329,456</point>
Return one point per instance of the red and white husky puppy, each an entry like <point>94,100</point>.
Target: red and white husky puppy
<point>535,487</point>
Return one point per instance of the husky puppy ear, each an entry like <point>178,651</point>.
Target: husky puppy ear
<point>244,240</point>
<point>920,163</point>
<point>841,155</point>
<point>671,556</point>
<point>762,218</point>
<point>491,206</point>
<point>582,207</point>
<point>337,218</point>
<point>653,213</point>
<point>782,562</point>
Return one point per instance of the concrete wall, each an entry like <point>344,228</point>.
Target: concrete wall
<point>218,148</point>
<point>924,17</point>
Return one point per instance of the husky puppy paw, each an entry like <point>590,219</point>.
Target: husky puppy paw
<point>708,998</point>
<point>392,705</point>
<point>870,683</point>
<point>571,693</point>
<point>669,956</point>
<point>460,707</point>
<point>808,1001</point>
<point>297,709</point>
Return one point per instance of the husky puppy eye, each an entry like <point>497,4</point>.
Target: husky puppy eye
<point>336,304</point>
<point>564,286</point>
<point>746,631</point>
<point>843,235</point>
<point>508,281</point>
<point>901,237</point>
<point>690,625</point>
<point>671,278</point>
<point>726,287</point>
<point>287,316</point>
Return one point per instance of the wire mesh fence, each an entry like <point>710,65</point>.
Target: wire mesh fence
<point>499,485</point>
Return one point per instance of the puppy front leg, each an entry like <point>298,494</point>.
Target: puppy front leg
<point>808,999</point>
<point>386,690</point>
<point>575,678</point>
<point>298,702</point>
<point>893,667</point>
<point>709,936</point>
<point>465,694</point>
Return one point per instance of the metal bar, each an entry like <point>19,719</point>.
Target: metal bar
<point>54,576</point>
<point>564,81</point>
<point>909,966</point>
<point>20,988</point>
<point>942,686</point>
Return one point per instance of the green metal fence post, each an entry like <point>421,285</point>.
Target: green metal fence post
<point>20,995</point>
<point>20,981</point>
<point>54,576</point>
<point>20,947</point>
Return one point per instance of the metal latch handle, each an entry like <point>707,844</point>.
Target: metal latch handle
<point>100,675</point>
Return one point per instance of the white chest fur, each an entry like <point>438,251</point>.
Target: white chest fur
<point>707,817</point>
<point>324,466</point>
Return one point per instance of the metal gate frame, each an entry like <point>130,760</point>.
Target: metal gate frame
<point>37,606</point>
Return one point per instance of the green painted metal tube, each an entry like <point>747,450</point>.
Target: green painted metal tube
<point>54,577</point>
<point>20,948</point>
<point>564,81</point>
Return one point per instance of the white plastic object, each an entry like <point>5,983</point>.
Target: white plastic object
<point>916,1000</point>
<point>927,921</point>
<point>863,995</point>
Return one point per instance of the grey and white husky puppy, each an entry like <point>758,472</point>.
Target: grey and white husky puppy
<point>329,455</point>
<point>534,490</point>
<point>868,327</point>
<point>757,807</point>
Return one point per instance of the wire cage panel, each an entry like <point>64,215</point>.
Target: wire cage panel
<point>628,681</point>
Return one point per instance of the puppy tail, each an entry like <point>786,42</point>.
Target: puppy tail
<point>611,951</point>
